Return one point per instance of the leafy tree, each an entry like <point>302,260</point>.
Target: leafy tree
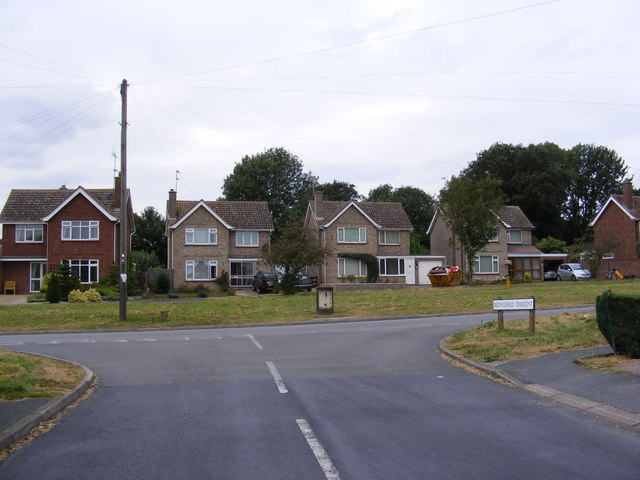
<point>469,208</point>
<point>418,205</point>
<point>275,176</point>
<point>339,191</point>
<point>551,245</point>
<point>149,235</point>
<point>535,178</point>
<point>596,173</point>
<point>295,249</point>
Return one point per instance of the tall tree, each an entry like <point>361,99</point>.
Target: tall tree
<point>339,191</point>
<point>275,176</point>
<point>149,235</point>
<point>418,205</point>
<point>295,249</point>
<point>469,208</point>
<point>596,173</point>
<point>535,178</point>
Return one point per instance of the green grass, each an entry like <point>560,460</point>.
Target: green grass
<point>28,376</point>
<point>275,308</point>
<point>554,333</point>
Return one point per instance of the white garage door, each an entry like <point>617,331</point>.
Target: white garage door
<point>423,270</point>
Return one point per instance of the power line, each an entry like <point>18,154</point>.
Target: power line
<point>358,42</point>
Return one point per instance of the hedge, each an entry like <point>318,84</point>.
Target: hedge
<point>618,318</point>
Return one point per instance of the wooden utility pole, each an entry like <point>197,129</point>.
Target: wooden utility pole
<point>124,204</point>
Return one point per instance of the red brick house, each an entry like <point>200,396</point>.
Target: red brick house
<point>616,232</point>
<point>41,228</point>
<point>206,237</point>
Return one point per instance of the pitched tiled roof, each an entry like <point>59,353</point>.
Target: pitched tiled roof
<point>389,215</point>
<point>523,250</point>
<point>515,218</point>
<point>636,203</point>
<point>34,205</point>
<point>240,215</point>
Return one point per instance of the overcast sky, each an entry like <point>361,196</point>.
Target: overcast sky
<point>405,92</point>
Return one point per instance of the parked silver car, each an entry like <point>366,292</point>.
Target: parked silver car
<point>573,272</point>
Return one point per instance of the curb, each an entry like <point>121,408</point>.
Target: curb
<point>616,415</point>
<point>22,428</point>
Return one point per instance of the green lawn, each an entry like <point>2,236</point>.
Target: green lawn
<point>274,308</point>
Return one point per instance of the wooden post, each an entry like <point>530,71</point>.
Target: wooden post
<point>532,322</point>
<point>500,320</point>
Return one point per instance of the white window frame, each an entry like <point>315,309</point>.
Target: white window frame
<point>190,270</point>
<point>211,235</point>
<point>37,270</point>
<point>495,264</point>
<point>29,233</point>
<point>342,234</point>
<point>247,238</point>
<point>494,239</point>
<point>342,267</point>
<point>383,240</point>
<point>92,266</point>
<point>384,264</point>
<point>69,227</point>
<point>510,240</point>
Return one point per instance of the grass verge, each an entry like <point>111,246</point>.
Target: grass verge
<point>29,376</point>
<point>265,309</point>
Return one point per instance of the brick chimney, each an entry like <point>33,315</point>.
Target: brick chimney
<point>172,209</point>
<point>319,204</point>
<point>627,194</point>
<point>117,194</point>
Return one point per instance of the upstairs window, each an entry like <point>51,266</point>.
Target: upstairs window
<point>247,239</point>
<point>81,230</point>
<point>514,236</point>
<point>201,236</point>
<point>29,233</point>
<point>352,235</point>
<point>389,237</point>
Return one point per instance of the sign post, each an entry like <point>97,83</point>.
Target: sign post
<point>516,304</point>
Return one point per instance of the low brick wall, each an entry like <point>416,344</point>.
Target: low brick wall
<point>343,287</point>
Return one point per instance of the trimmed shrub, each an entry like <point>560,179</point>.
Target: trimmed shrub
<point>54,292</point>
<point>77,296</point>
<point>618,318</point>
<point>93,295</point>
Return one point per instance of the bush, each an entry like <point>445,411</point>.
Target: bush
<point>162,284</point>
<point>93,295</point>
<point>223,281</point>
<point>54,292</point>
<point>618,318</point>
<point>77,296</point>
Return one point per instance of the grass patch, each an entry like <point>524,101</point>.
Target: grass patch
<point>29,376</point>
<point>554,333</point>
<point>276,308</point>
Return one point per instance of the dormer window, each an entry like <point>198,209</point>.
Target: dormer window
<point>81,230</point>
<point>514,236</point>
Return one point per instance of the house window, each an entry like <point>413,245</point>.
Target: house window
<point>241,273</point>
<point>352,235</point>
<point>80,230</point>
<point>389,237</point>
<point>201,269</point>
<point>201,236</point>
<point>36,272</point>
<point>247,239</point>
<point>85,270</point>
<point>392,266</point>
<point>495,238</point>
<point>28,233</point>
<point>486,264</point>
<point>348,267</point>
<point>514,236</point>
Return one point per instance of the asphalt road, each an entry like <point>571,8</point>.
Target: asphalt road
<point>363,400</point>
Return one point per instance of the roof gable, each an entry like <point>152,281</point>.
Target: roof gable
<point>37,205</point>
<point>616,200</point>
<point>383,215</point>
<point>234,215</point>
<point>80,192</point>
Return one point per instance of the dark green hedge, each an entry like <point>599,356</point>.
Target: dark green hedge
<point>618,318</point>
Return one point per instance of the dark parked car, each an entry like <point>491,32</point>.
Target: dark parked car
<point>304,283</point>
<point>264,282</point>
